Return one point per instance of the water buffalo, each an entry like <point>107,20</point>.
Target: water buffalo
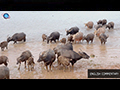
<point>103,38</point>
<point>4,60</point>
<point>53,37</point>
<point>70,38</point>
<point>78,37</point>
<point>110,25</point>
<point>74,55</point>
<point>63,40</point>
<point>103,22</point>
<point>72,31</point>
<point>3,45</point>
<point>48,57</point>
<point>64,61</point>
<point>89,37</point>
<point>17,37</point>
<point>44,37</point>
<point>97,26</point>
<point>23,58</point>
<point>99,31</point>
<point>89,24</point>
<point>58,48</point>
<point>30,63</point>
<point>4,72</point>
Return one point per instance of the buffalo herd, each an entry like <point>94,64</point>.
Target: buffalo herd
<point>63,53</point>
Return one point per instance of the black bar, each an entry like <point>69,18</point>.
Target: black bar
<point>103,73</point>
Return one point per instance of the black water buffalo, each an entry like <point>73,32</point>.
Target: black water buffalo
<point>110,25</point>
<point>103,22</point>
<point>89,38</point>
<point>48,57</point>
<point>59,48</point>
<point>17,37</point>
<point>74,55</point>
<point>72,31</point>
<point>53,37</point>
<point>4,72</point>
<point>103,38</point>
<point>23,58</point>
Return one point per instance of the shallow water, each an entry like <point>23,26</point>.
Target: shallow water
<point>35,23</point>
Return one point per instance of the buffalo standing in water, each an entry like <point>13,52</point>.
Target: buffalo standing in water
<point>48,57</point>
<point>17,37</point>
<point>103,38</point>
<point>23,58</point>
<point>53,37</point>
<point>89,24</point>
<point>72,31</point>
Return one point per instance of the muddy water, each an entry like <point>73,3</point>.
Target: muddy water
<point>106,56</point>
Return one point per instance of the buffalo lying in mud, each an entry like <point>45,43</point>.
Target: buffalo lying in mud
<point>48,57</point>
<point>17,37</point>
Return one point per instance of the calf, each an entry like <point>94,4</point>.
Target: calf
<point>64,61</point>
<point>4,60</point>
<point>3,45</point>
<point>44,37</point>
<point>63,40</point>
<point>30,63</point>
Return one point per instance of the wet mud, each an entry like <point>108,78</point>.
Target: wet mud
<point>106,57</point>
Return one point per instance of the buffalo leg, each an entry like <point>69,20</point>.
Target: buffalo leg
<point>54,40</point>
<point>24,39</point>
<point>15,42</point>
<point>47,68</point>
<point>28,68</point>
<point>2,49</point>
<point>6,47</point>
<point>25,64</point>
<point>50,66</point>
<point>19,66</point>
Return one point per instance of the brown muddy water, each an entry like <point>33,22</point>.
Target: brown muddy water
<point>106,56</point>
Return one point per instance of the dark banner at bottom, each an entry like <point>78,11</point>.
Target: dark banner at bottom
<point>103,73</point>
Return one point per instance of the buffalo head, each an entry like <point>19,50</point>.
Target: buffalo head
<point>83,54</point>
<point>9,39</point>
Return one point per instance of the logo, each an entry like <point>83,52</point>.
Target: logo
<point>6,16</point>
